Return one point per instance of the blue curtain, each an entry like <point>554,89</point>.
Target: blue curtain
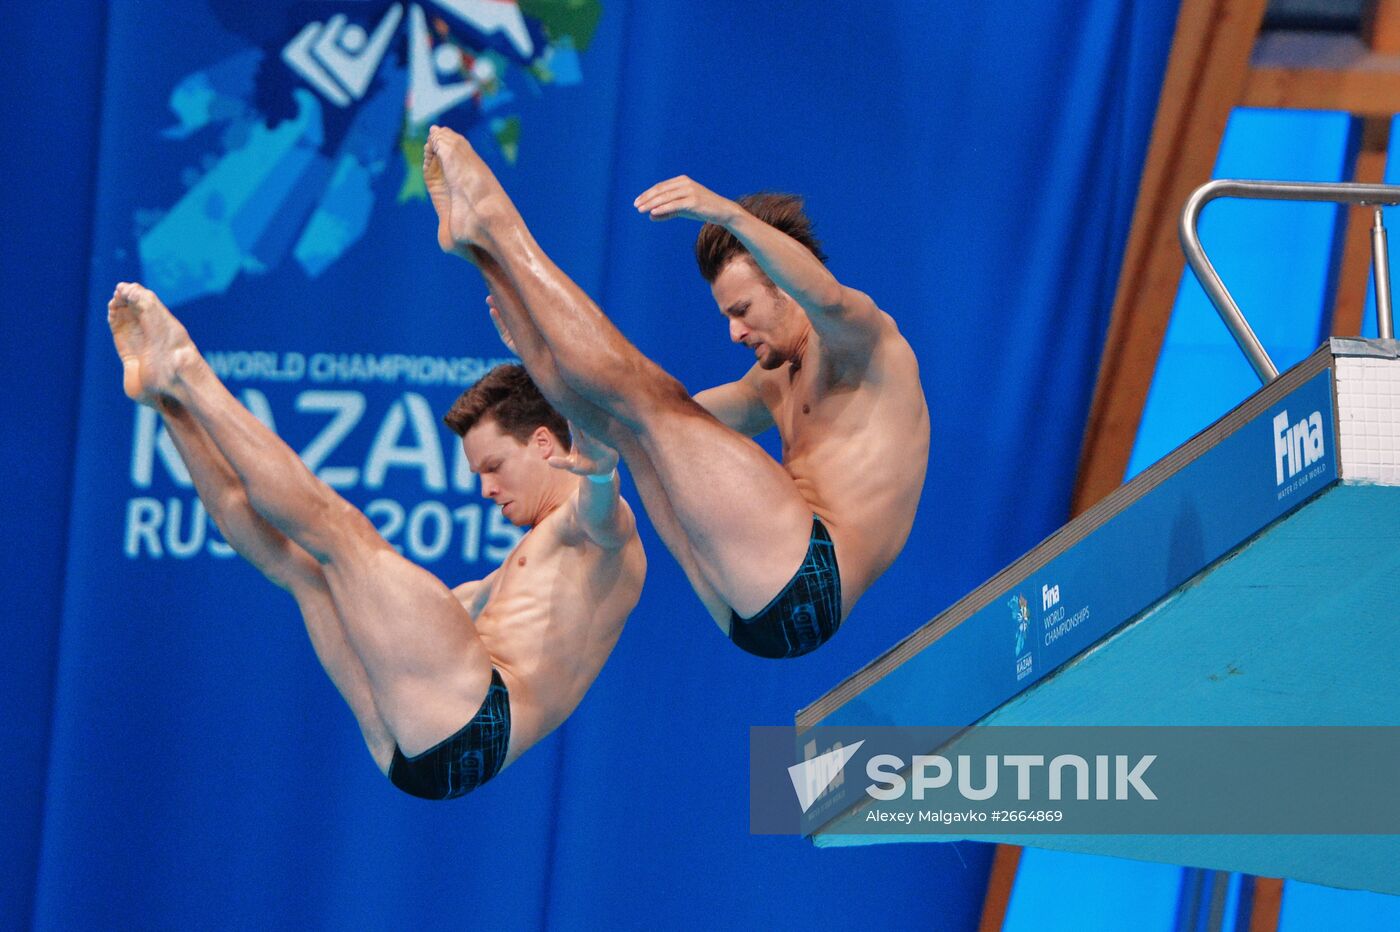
<point>179,758</point>
<point>51,88</point>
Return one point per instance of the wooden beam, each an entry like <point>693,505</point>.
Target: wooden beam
<point>1267,904</point>
<point>1372,91</point>
<point>1000,883</point>
<point>1355,273</point>
<point>1383,26</point>
<point>1326,71</point>
<point>1205,76</point>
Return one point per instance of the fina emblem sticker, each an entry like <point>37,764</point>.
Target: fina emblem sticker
<point>1021,616</point>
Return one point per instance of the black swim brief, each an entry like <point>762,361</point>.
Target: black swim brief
<point>461,763</point>
<point>805,614</point>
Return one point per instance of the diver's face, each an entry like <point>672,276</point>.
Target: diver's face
<point>762,317</point>
<point>514,475</point>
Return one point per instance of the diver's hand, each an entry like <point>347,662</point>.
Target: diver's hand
<point>587,457</point>
<point>681,197</point>
<point>500,325</point>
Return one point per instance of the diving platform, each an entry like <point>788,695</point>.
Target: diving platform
<point>1249,578</point>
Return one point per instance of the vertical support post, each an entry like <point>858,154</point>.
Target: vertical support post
<point>1380,256</point>
<point>1352,278</point>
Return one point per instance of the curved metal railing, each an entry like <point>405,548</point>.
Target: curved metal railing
<point>1374,195</point>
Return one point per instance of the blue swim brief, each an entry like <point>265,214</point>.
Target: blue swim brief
<point>461,763</point>
<point>805,614</point>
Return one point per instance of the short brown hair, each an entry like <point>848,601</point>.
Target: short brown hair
<point>716,246</point>
<point>509,397</point>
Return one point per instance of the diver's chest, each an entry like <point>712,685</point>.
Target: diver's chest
<point>810,401</point>
<point>521,565</point>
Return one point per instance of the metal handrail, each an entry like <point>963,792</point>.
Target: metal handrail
<point>1374,195</point>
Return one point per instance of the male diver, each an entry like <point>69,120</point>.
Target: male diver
<point>510,655</point>
<point>778,553</point>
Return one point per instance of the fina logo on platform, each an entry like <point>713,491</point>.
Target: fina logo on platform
<point>1296,445</point>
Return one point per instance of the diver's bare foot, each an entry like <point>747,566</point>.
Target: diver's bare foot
<point>153,345</point>
<point>464,192</point>
<point>437,191</point>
